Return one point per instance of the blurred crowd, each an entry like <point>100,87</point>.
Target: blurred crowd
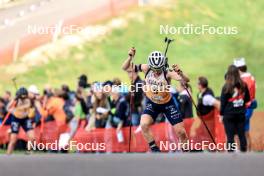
<point>94,105</point>
<point>90,106</point>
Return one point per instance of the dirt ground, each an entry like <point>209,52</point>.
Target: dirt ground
<point>257,131</point>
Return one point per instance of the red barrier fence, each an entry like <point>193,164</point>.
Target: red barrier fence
<point>162,132</point>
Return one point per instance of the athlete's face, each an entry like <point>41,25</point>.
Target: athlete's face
<point>157,72</point>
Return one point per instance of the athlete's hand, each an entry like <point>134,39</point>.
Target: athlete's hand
<point>132,52</point>
<point>176,68</point>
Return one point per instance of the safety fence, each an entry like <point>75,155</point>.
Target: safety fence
<point>162,132</point>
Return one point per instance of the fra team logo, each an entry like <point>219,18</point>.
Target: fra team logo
<point>29,124</point>
<point>174,113</point>
<point>14,126</point>
<point>149,107</point>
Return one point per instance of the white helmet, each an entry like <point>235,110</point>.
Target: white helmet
<point>156,60</point>
<point>33,89</point>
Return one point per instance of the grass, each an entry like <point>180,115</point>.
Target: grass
<point>207,55</point>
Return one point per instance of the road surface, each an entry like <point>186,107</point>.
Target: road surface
<point>14,21</point>
<point>183,164</point>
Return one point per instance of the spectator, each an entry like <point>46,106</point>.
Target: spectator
<point>69,98</point>
<point>48,90</point>
<point>81,109</point>
<point>121,113</point>
<point>79,116</point>
<point>3,111</point>
<point>84,95</point>
<point>107,85</point>
<point>83,82</point>
<point>138,96</point>
<point>34,112</point>
<point>251,84</point>
<point>234,97</point>
<point>100,109</point>
<point>67,93</point>
<point>7,96</point>
<point>119,117</point>
<point>185,101</point>
<point>117,81</point>
<point>54,107</point>
<point>206,100</point>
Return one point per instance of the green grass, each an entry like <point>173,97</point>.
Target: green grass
<point>207,55</point>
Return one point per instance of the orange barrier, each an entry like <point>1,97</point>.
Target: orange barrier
<point>162,132</point>
<point>31,41</point>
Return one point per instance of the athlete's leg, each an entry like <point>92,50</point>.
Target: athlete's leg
<point>145,122</point>
<point>28,127</point>
<point>12,143</point>
<point>181,132</point>
<point>31,139</point>
<point>147,118</point>
<point>172,113</point>
<point>15,125</point>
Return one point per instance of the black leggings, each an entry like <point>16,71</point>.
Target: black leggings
<point>235,125</point>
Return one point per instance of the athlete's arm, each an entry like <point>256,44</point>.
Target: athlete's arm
<point>10,105</point>
<point>142,68</point>
<point>173,75</point>
<point>127,66</point>
<point>178,77</point>
<point>127,63</point>
<point>40,108</point>
<point>177,74</point>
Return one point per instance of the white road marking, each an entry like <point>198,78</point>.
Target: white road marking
<point>10,22</point>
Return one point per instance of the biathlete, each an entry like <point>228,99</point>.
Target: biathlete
<point>20,117</point>
<point>158,96</point>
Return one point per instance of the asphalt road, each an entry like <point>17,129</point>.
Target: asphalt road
<point>14,21</point>
<point>183,164</point>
